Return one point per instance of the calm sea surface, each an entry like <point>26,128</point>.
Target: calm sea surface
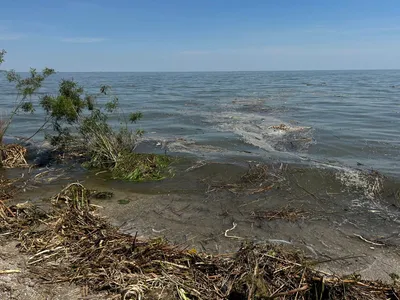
<point>348,119</point>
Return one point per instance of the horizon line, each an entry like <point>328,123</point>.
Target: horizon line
<point>220,71</point>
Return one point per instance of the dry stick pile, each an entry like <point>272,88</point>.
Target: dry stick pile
<point>13,156</point>
<point>72,243</point>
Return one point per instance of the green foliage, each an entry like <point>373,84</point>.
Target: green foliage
<point>2,53</point>
<point>81,125</point>
<point>134,117</point>
<point>79,121</point>
<point>112,105</point>
<point>141,167</point>
<point>139,132</point>
<point>104,144</point>
<point>26,88</point>
<point>67,105</point>
<point>27,107</point>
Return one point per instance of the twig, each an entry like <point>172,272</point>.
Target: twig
<point>274,293</point>
<point>367,241</point>
<point>171,263</point>
<point>296,264</point>
<point>291,292</point>
<point>7,208</point>
<point>232,236</point>
<point>300,283</point>
<point>3,272</point>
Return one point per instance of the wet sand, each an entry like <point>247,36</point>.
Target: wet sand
<point>342,229</point>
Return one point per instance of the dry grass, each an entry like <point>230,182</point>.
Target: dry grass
<point>72,243</point>
<point>13,156</point>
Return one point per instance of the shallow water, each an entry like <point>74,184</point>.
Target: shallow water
<point>338,117</point>
<point>199,208</point>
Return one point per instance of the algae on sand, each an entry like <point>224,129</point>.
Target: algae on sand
<point>141,167</point>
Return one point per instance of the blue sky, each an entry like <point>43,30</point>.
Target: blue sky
<point>201,35</point>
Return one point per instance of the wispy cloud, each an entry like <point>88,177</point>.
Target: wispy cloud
<point>83,40</point>
<point>6,34</point>
<point>195,52</point>
<point>320,30</point>
<point>9,37</point>
<point>348,30</point>
<point>380,29</point>
<point>83,5</point>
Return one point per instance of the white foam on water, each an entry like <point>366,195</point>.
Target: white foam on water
<point>255,127</point>
<point>189,146</point>
<point>192,147</point>
<point>356,180</point>
<point>265,132</point>
<point>368,186</point>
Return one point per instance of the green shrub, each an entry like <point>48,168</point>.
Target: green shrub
<point>82,125</point>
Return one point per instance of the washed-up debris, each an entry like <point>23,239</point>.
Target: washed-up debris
<point>13,156</point>
<point>287,214</point>
<point>73,243</point>
<point>259,178</point>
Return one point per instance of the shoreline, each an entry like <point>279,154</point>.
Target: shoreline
<point>194,212</point>
<point>75,215</point>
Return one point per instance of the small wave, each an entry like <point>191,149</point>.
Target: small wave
<point>183,145</point>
